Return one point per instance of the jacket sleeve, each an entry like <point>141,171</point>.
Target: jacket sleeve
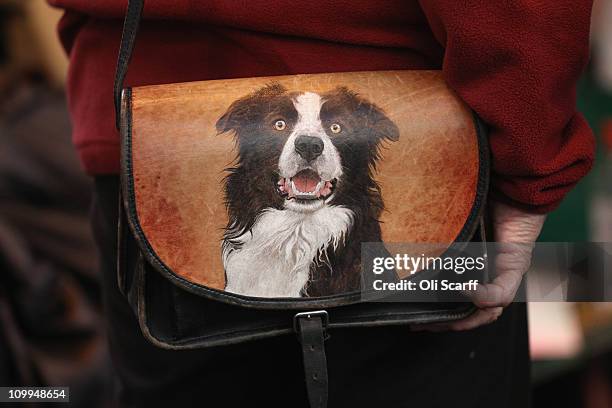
<point>517,63</point>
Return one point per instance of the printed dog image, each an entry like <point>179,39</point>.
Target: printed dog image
<point>301,196</point>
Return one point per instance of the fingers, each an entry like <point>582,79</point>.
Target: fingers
<point>481,317</point>
<point>499,293</point>
<point>511,263</point>
<point>515,232</point>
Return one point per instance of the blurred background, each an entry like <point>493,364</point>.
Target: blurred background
<point>51,325</point>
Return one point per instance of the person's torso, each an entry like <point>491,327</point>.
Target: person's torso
<point>186,40</point>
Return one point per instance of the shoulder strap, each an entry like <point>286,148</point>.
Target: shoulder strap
<point>128,38</point>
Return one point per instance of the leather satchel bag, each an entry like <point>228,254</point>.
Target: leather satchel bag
<point>246,203</point>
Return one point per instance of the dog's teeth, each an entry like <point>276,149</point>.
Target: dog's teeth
<point>322,189</point>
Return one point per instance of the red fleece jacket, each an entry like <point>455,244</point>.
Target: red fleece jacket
<point>516,63</point>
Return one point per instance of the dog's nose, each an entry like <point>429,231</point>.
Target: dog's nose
<point>308,147</point>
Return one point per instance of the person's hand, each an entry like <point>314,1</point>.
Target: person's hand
<point>515,232</point>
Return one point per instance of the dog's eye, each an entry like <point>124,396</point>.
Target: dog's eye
<point>335,128</point>
<point>280,125</point>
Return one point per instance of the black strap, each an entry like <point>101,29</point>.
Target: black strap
<point>311,332</point>
<point>128,38</point>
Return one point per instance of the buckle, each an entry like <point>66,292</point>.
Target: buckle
<point>309,315</point>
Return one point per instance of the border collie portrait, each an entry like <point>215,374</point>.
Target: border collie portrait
<point>300,195</point>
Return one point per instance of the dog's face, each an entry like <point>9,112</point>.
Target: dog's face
<point>308,146</point>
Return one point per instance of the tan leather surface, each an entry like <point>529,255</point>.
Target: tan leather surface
<point>428,177</point>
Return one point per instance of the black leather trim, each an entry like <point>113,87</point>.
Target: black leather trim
<point>174,319</point>
<point>122,268</point>
<point>482,187</point>
<point>149,254</point>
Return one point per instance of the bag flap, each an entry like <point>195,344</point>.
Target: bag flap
<point>260,191</point>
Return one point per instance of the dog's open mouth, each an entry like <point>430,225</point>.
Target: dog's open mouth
<point>305,185</point>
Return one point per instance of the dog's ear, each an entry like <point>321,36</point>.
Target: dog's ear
<point>376,120</point>
<point>246,109</point>
<point>383,127</point>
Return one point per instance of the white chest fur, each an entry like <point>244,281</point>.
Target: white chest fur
<point>275,256</point>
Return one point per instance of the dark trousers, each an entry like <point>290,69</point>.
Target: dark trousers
<point>368,367</point>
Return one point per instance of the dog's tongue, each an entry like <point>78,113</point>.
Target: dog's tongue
<point>306,181</point>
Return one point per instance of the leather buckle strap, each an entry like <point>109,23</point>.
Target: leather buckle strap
<point>321,313</point>
<point>311,330</point>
